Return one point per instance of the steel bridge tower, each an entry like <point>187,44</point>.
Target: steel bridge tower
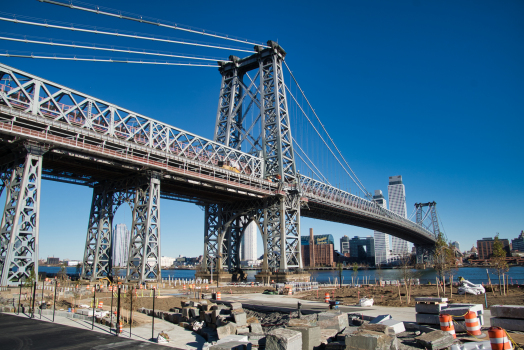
<point>426,216</point>
<point>268,135</point>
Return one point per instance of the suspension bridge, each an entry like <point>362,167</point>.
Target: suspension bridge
<point>250,171</point>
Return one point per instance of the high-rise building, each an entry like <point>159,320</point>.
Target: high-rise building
<point>344,245</point>
<point>518,243</point>
<point>382,251</point>
<point>456,244</point>
<point>249,243</point>
<point>121,237</point>
<point>362,249</point>
<point>397,204</point>
<point>317,250</point>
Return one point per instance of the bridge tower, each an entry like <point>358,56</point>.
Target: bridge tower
<point>426,216</point>
<point>21,175</point>
<point>268,135</point>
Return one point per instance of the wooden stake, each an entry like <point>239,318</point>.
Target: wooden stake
<point>438,289</point>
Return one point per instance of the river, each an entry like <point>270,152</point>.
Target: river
<point>473,274</point>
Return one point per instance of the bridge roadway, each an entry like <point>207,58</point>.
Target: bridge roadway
<point>89,140</point>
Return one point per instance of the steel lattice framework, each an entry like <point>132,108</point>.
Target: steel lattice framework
<point>281,219</point>
<point>42,122</point>
<point>428,219</point>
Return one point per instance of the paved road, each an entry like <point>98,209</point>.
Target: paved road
<point>25,333</point>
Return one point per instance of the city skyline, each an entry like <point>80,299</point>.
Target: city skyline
<point>411,73</point>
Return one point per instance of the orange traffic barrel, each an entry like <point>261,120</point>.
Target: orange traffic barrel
<point>326,297</point>
<point>499,339</point>
<point>141,286</point>
<point>472,323</point>
<point>184,287</point>
<point>207,287</point>
<point>219,296</point>
<point>290,291</point>
<point>119,327</point>
<point>100,304</point>
<point>110,288</point>
<point>252,284</point>
<point>446,324</point>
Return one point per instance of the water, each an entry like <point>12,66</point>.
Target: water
<point>473,274</point>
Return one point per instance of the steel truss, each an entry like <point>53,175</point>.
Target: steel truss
<point>143,196</point>
<point>428,219</point>
<point>72,111</point>
<point>278,217</point>
<point>20,220</point>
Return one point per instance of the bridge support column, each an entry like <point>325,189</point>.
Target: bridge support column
<point>144,249</point>
<point>424,254</point>
<point>20,220</point>
<point>98,253</point>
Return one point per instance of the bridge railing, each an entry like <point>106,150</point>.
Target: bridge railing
<point>325,192</point>
<point>31,94</point>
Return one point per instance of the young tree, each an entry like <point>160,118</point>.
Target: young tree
<point>498,260</point>
<point>62,274</point>
<point>407,273</point>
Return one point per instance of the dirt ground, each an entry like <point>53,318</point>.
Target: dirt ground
<point>389,295</point>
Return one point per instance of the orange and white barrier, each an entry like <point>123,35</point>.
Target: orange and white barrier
<point>100,304</point>
<point>326,298</point>
<point>119,327</point>
<point>141,286</point>
<point>446,324</point>
<point>290,291</point>
<point>219,296</point>
<point>207,287</point>
<point>499,339</point>
<point>184,287</point>
<point>472,323</point>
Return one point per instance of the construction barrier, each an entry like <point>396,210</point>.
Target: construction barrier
<point>326,298</point>
<point>119,327</point>
<point>499,339</point>
<point>219,296</point>
<point>184,287</point>
<point>290,291</point>
<point>100,304</point>
<point>472,323</point>
<point>446,324</point>
<point>207,287</point>
<point>141,286</point>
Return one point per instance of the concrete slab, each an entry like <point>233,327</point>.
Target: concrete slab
<point>511,324</point>
<point>256,328</point>
<point>328,320</point>
<point>395,325</point>
<point>371,340</point>
<point>427,319</point>
<point>435,340</point>
<point>507,311</point>
<point>310,336</point>
<point>283,339</point>
<point>429,308</point>
<point>232,345</point>
<point>431,300</point>
<point>380,318</point>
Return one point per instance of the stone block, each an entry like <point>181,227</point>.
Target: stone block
<point>232,345</point>
<point>233,337</point>
<point>240,318</point>
<point>379,319</point>
<point>396,326</point>
<point>297,322</point>
<point>256,328</point>
<point>507,311</point>
<point>283,339</point>
<point>242,330</point>
<point>235,306</point>
<point>224,331</point>
<point>310,336</point>
<point>257,339</point>
<point>478,308</point>
<point>338,322</point>
<point>371,340</point>
<point>347,332</point>
<point>380,328</point>
<point>427,319</point>
<point>511,324</point>
<point>429,308</point>
<point>431,300</point>
<point>327,335</point>
<point>193,312</point>
<point>435,340</point>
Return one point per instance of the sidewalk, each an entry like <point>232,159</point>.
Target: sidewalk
<point>179,337</point>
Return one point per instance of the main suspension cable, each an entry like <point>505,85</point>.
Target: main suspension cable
<point>310,106</point>
<point>114,32</point>
<point>142,19</point>
<point>101,48</point>
<point>94,59</point>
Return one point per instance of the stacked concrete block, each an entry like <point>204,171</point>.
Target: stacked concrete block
<point>364,339</point>
<point>509,317</point>
<point>284,339</point>
<point>310,336</point>
<point>428,309</point>
<point>435,340</point>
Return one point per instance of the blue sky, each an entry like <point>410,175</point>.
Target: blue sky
<point>430,90</point>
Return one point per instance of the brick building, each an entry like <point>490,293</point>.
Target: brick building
<point>485,247</point>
